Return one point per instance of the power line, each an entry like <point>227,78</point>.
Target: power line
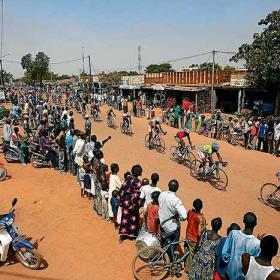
<point>187,57</point>
<point>67,61</point>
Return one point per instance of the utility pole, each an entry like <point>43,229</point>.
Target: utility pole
<point>139,60</point>
<point>90,78</point>
<point>83,58</point>
<point>2,77</point>
<point>213,81</point>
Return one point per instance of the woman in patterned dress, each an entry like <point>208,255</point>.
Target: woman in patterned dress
<point>129,200</point>
<point>203,263</point>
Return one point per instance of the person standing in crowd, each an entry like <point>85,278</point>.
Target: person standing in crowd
<point>203,263</point>
<point>260,268</point>
<point>7,132</point>
<point>114,185</point>
<point>261,134</point>
<point>254,134</point>
<point>277,137</point>
<point>147,190</point>
<point>26,126</point>
<point>60,140</point>
<point>151,215</point>
<point>171,212</point>
<point>16,138</point>
<point>69,150</point>
<point>87,126</point>
<point>239,242</point>
<point>177,111</point>
<point>114,205</point>
<point>220,268</point>
<point>129,200</point>
<point>78,152</point>
<point>196,225</point>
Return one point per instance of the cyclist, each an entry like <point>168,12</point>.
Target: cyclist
<point>154,129</point>
<point>126,120</point>
<point>94,109</point>
<point>205,152</point>
<point>111,114</point>
<point>179,137</point>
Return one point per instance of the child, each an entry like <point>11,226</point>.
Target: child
<point>151,215</point>
<point>115,205</point>
<point>196,225</point>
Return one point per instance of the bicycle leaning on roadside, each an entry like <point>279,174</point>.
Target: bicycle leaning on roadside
<point>214,174</point>
<point>152,262</point>
<point>156,142</point>
<point>270,194</point>
<point>182,155</point>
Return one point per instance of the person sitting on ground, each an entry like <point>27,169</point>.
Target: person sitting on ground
<point>196,225</point>
<point>239,242</point>
<point>151,215</point>
<point>260,268</point>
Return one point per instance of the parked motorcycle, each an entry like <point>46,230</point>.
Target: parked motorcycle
<point>39,160</point>
<point>12,242</point>
<point>11,154</point>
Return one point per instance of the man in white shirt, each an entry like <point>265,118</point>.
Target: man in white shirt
<point>171,212</point>
<point>147,190</point>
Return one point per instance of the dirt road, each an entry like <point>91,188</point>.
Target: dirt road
<point>77,244</point>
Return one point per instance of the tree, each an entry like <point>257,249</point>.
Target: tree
<point>207,66</point>
<point>158,68</point>
<point>36,68</point>
<point>262,57</point>
<point>228,68</point>
<point>7,76</point>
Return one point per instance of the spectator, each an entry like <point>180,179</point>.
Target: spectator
<point>171,212</point>
<point>239,242</point>
<point>260,268</point>
<point>203,263</point>
<point>196,225</point>
<point>151,214</point>
<point>114,205</point>
<point>277,137</point>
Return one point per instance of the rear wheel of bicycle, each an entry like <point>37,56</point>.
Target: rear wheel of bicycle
<point>194,167</point>
<point>160,145</point>
<point>173,154</point>
<point>189,158</point>
<point>220,179</point>
<point>150,264</point>
<point>3,173</point>
<point>129,131</point>
<point>270,195</point>
<point>147,144</point>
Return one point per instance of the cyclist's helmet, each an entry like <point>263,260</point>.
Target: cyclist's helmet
<point>215,147</point>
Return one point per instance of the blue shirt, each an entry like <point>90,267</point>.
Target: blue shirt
<point>236,245</point>
<point>69,142</point>
<point>262,130</point>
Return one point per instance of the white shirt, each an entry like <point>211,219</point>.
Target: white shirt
<point>277,132</point>
<point>146,192</point>
<point>171,205</point>
<point>79,151</point>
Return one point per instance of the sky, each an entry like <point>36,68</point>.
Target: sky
<point>111,31</point>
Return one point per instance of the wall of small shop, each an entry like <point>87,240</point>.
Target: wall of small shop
<point>227,100</point>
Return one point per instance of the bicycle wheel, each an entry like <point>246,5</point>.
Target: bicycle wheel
<point>121,127</point>
<point>219,179</point>
<point>109,122</point>
<point>194,166</point>
<point>188,159</point>
<point>173,154</point>
<point>150,263</point>
<point>270,195</point>
<point>160,145</point>
<point>147,140</point>
<point>3,173</point>
<point>129,131</point>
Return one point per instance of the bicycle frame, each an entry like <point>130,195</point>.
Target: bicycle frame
<point>165,248</point>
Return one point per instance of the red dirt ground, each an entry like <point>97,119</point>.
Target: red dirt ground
<point>77,244</point>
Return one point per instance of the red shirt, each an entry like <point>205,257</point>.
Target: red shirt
<point>181,134</point>
<point>192,230</point>
<point>152,216</point>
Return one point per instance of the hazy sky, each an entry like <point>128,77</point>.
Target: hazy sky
<point>111,30</point>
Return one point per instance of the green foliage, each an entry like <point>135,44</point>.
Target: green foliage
<point>262,57</point>
<point>229,68</point>
<point>37,68</point>
<point>158,68</point>
<point>7,76</point>
<point>207,66</point>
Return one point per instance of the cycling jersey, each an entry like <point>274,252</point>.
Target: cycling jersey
<point>181,134</point>
<point>206,149</point>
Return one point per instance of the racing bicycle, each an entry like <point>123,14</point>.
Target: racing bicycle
<point>182,155</point>
<point>157,142</point>
<point>270,195</point>
<point>214,174</point>
<point>153,263</point>
<point>126,128</point>
<point>111,121</point>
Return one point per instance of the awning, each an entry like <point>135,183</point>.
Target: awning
<point>182,88</point>
<point>129,87</point>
